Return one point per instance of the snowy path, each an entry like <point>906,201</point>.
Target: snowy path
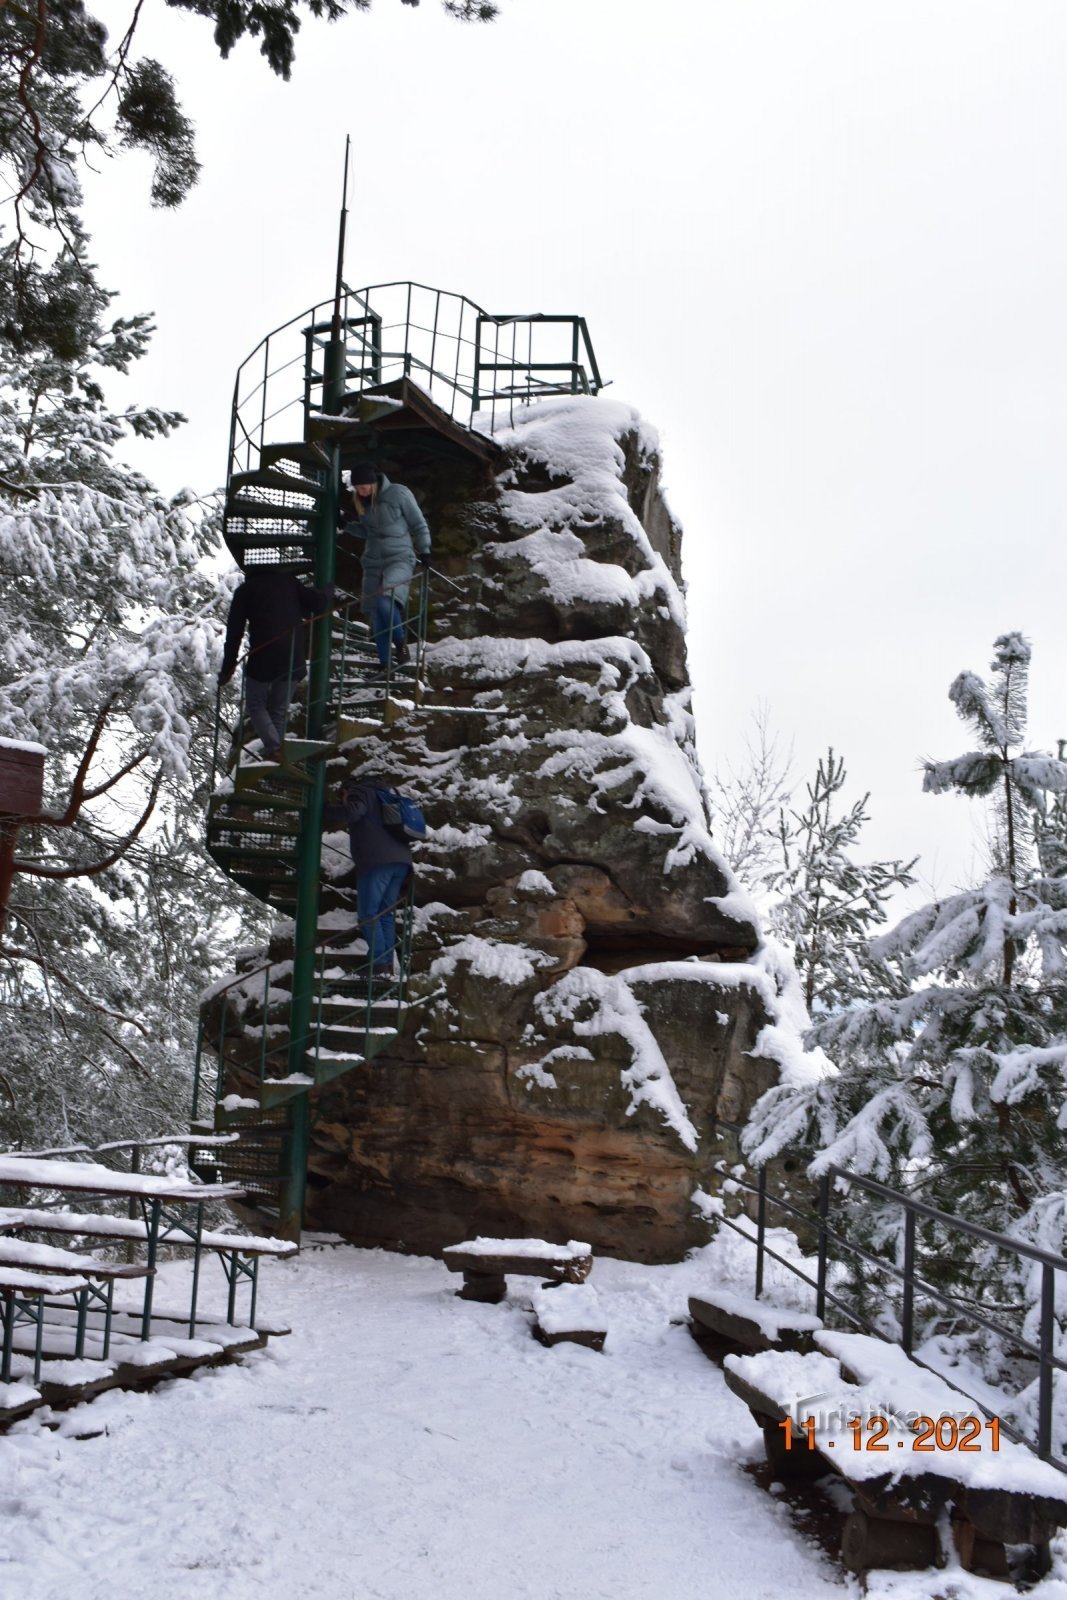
<point>405,1445</point>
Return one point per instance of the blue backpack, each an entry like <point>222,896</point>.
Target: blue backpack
<point>400,815</point>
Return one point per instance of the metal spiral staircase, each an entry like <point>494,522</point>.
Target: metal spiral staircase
<point>316,994</point>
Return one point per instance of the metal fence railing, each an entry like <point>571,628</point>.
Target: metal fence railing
<point>834,1247</point>
<point>467,360</point>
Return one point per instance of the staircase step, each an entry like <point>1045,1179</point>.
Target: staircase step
<point>254,510</point>
<point>297,539</point>
<point>277,1091</point>
<point>294,750</point>
<point>221,821</point>
<point>273,478</point>
<point>300,451</point>
<point>270,778</point>
<point>264,801</point>
<point>234,854</point>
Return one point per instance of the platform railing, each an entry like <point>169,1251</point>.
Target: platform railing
<point>471,362</point>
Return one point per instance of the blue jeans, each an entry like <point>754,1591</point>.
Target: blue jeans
<point>387,617</point>
<point>378,893</point>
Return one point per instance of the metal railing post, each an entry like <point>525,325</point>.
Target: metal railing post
<point>907,1308</point>
<point>761,1227</point>
<point>1044,1376</point>
<point>309,842</point>
<point>820,1286</point>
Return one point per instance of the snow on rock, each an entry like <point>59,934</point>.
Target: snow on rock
<point>590,990</point>
<point>503,963</point>
<point>537,1249</point>
<point>569,1308</point>
<point>596,1004</point>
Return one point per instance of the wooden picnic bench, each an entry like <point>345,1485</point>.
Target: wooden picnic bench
<point>566,1309</point>
<point>163,1204</point>
<point>58,1301</point>
<point>486,1263</point>
<point>908,1445</point>
<point>234,1250</point>
<point>22,1295</point>
<point>90,1274</point>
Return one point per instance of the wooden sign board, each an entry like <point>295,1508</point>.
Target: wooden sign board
<point>21,779</point>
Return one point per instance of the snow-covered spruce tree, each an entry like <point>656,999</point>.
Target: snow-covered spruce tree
<point>800,866</point>
<point>826,903</point>
<point>955,1090</point>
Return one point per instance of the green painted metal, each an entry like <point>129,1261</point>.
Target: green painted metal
<point>309,840</point>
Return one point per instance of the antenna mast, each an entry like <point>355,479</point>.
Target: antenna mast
<point>335,331</point>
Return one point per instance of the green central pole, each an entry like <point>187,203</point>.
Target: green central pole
<point>309,839</point>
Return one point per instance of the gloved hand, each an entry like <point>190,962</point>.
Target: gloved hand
<point>424,558</point>
<point>224,676</point>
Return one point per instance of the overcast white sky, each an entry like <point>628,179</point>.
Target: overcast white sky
<point>821,244</point>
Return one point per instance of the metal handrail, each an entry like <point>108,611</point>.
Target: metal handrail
<point>1047,1361</point>
<point>447,337</point>
<point>378,989</point>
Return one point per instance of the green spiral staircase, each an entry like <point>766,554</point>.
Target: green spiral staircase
<point>313,1011</point>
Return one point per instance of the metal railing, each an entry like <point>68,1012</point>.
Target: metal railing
<point>467,360</point>
<point>904,1272</point>
<point>270,1063</point>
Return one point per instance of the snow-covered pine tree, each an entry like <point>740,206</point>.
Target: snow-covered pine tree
<point>108,635</point>
<point>956,1091</point>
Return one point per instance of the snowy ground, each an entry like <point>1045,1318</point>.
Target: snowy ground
<point>406,1445</point>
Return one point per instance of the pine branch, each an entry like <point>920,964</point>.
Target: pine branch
<point>55,976</point>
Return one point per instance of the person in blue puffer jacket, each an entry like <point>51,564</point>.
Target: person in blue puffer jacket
<point>387,517</point>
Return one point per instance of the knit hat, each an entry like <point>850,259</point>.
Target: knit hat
<point>363,472</point>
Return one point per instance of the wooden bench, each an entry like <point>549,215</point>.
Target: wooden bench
<point>234,1250</point>
<point>65,1263</point>
<point>22,1296</point>
<point>908,1445</point>
<point>722,1321</point>
<point>485,1264</point>
<point>569,1313</point>
<point>151,1193</point>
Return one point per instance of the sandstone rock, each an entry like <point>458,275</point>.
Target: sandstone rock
<point>588,981</point>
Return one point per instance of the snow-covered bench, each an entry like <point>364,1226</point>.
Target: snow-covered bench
<point>22,1294</point>
<point>908,1444</point>
<point>569,1313</point>
<point>101,1225</point>
<point>721,1321</point>
<point>485,1264</point>
<point>234,1250</point>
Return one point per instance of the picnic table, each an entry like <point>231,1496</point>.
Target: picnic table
<point>150,1191</point>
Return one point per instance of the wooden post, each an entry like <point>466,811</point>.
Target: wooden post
<point>21,794</point>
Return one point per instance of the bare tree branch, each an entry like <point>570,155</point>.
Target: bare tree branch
<point>93,871</point>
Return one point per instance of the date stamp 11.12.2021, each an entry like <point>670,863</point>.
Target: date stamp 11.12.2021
<point>910,1432</point>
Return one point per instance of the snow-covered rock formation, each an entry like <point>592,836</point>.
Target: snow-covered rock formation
<point>592,985</point>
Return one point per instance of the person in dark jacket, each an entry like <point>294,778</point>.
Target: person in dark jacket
<point>387,517</point>
<point>272,604</point>
<point>382,864</point>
